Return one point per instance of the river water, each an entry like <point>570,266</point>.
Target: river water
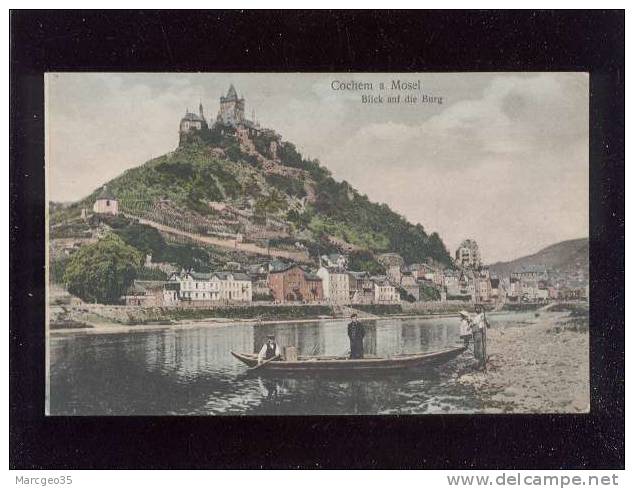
<point>189,371</point>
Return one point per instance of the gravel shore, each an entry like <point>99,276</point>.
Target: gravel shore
<point>539,366</point>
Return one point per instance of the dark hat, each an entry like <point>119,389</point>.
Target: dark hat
<point>354,315</point>
<point>270,336</point>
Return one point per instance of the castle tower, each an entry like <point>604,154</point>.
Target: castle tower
<point>231,111</point>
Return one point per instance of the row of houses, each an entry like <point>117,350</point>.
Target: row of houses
<point>532,283</point>
<point>276,282</point>
<point>190,286</point>
<point>333,283</point>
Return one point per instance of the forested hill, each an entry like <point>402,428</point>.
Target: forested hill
<point>565,256</point>
<point>273,191</point>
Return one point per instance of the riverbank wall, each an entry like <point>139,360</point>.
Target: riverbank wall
<point>132,315</point>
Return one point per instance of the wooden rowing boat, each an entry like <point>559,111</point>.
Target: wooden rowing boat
<point>342,363</point>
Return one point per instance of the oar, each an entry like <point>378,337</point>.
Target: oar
<point>260,365</point>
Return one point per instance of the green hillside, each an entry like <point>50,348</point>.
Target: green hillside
<point>566,256</point>
<point>212,166</point>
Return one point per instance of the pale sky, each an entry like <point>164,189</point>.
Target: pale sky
<point>503,160</point>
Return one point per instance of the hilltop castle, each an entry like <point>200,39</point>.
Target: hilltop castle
<point>230,114</point>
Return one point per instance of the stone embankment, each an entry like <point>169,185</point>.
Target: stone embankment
<point>436,307</point>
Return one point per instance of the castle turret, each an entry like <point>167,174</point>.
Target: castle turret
<point>190,122</point>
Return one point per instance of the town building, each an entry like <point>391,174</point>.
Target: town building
<point>531,273</point>
<point>259,275</point>
<point>459,285</point>
<point>451,283</point>
<point>106,203</point>
<point>336,285</point>
<point>294,284</point>
<point>393,264</point>
<point>152,293</point>
<point>515,289</point>
<point>482,289</point>
<point>498,294</point>
<point>533,290</point>
<point>385,292</point>
<point>214,287</point>
<point>424,271</point>
<point>361,288</point>
<point>468,254</point>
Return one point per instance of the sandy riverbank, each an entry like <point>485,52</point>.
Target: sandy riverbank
<point>541,366</point>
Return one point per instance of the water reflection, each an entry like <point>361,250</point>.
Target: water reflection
<point>190,371</point>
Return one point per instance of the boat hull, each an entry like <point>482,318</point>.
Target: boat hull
<point>311,364</point>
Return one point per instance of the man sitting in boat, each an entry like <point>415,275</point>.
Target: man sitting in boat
<point>356,332</point>
<point>269,350</point>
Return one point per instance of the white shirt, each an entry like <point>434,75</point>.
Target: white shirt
<point>465,327</point>
<point>479,322</point>
<point>262,354</point>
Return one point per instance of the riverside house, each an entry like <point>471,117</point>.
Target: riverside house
<point>385,292</point>
<point>152,293</point>
<point>214,287</point>
<point>423,271</point>
<point>336,284</point>
<point>294,284</point>
<point>361,288</point>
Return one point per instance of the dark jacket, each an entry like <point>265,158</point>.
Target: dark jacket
<point>356,332</point>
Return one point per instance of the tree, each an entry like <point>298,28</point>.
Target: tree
<point>102,272</point>
<point>144,238</point>
<point>364,261</point>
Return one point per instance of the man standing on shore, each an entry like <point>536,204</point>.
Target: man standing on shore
<point>356,332</point>
<point>465,327</point>
<point>479,327</point>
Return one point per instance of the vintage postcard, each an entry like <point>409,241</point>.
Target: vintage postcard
<point>317,243</point>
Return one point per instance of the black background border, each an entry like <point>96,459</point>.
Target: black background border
<point>385,41</point>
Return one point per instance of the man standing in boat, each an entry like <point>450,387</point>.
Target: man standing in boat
<point>356,332</point>
<point>269,350</point>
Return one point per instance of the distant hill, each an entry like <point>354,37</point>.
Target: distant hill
<point>218,183</point>
<point>566,256</point>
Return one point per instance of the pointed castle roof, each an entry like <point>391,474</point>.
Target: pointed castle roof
<point>232,94</point>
